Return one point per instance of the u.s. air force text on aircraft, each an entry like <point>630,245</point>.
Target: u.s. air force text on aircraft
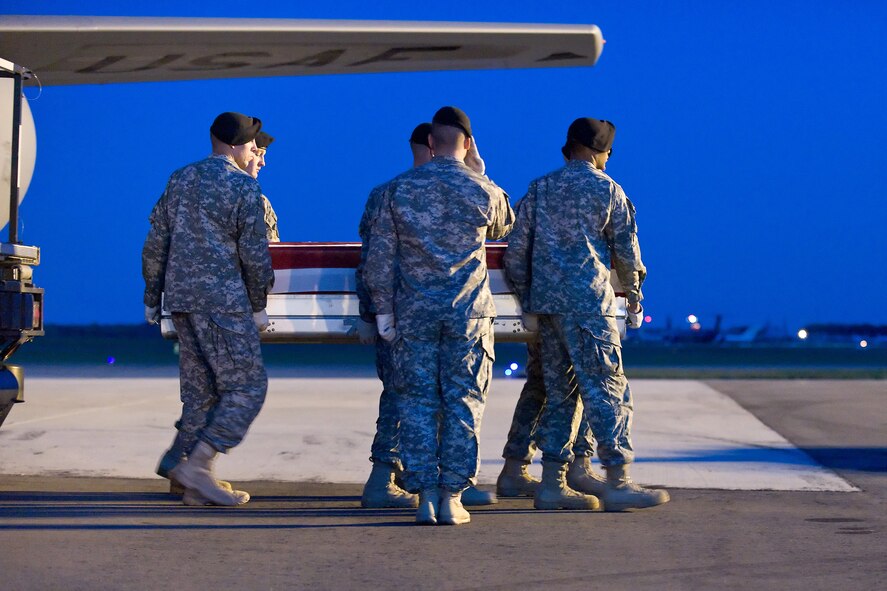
<point>115,64</point>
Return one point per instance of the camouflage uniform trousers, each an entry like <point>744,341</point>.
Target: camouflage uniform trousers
<point>222,378</point>
<point>577,364</point>
<point>521,444</point>
<point>443,371</point>
<point>385,443</point>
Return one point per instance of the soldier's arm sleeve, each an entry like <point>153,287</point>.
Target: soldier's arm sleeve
<point>155,253</point>
<point>622,234</point>
<point>252,248</point>
<point>271,229</point>
<point>501,214</point>
<point>378,273</point>
<point>367,311</point>
<point>517,257</point>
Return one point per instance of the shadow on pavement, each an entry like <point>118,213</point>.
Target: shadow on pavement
<point>138,497</point>
<point>34,510</point>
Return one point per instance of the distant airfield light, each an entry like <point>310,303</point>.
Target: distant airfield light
<point>863,343</point>
<point>803,334</point>
<point>648,319</point>
<point>695,326</point>
<point>111,360</point>
<point>508,372</point>
<point>692,319</point>
<point>514,366</point>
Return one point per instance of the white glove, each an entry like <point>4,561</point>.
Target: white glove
<point>261,320</point>
<point>385,324</point>
<point>152,315</point>
<point>473,159</point>
<point>634,319</point>
<point>531,322</point>
<point>366,332</point>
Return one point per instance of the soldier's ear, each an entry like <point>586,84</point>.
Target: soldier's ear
<point>467,143</point>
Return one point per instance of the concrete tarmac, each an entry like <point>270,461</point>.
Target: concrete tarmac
<point>120,533</point>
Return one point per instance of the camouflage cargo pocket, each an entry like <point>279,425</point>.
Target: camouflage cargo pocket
<point>236,345</point>
<point>598,342</point>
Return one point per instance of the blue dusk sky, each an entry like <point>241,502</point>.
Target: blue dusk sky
<point>750,136</point>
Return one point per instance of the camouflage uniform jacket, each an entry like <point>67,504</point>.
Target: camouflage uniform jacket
<point>571,225</point>
<point>427,255</point>
<point>370,212</point>
<point>270,221</point>
<point>207,249</point>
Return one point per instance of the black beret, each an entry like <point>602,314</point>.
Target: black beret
<point>420,134</point>
<point>454,117</point>
<point>596,134</point>
<point>235,129</point>
<point>263,140</point>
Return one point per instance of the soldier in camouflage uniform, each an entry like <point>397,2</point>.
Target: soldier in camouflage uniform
<point>515,480</point>
<point>207,253</point>
<point>427,276</point>
<point>572,224</point>
<point>381,489</point>
<point>263,140</point>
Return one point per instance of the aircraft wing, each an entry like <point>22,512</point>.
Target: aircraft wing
<point>96,50</point>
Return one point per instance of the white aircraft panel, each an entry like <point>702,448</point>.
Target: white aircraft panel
<point>27,148</point>
<point>95,50</point>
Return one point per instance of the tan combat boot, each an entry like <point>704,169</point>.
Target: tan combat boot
<point>192,498</point>
<point>554,493</point>
<point>177,488</point>
<point>170,459</point>
<point>515,481</point>
<point>621,493</point>
<point>380,492</point>
<point>196,473</point>
<point>429,502</point>
<point>451,510</point>
<point>475,497</point>
<point>581,477</point>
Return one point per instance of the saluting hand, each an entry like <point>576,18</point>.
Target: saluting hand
<point>473,159</point>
